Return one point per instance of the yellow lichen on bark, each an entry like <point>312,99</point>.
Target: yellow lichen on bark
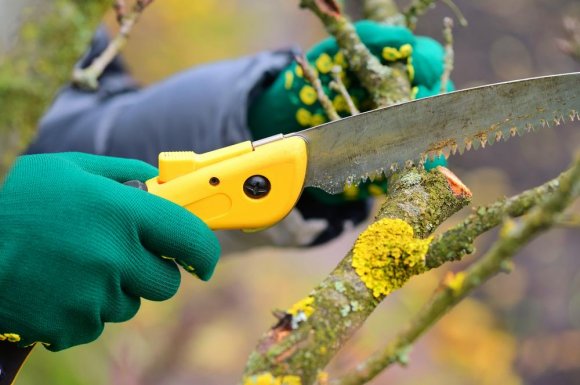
<point>304,305</point>
<point>267,378</point>
<point>387,254</point>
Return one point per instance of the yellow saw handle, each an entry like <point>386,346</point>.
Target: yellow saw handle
<point>244,186</point>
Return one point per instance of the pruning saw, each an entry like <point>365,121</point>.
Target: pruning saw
<point>252,185</point>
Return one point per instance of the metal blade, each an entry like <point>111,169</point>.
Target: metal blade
<point>377,142</point>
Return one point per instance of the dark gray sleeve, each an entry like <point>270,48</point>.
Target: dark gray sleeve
<point>200,109</point>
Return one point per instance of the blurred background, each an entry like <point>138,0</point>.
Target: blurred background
<point>518,328</point>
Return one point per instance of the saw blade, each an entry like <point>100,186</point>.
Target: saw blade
<point>378,142</point>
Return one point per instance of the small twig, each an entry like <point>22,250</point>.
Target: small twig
<point>419,7</point>
<point>571,45</point>
<point>88,78</point>
<point>120,7</point>
<point>449,53</point>
<point>312,77</point>
<point>457,12</point>
<point>569,221</point>
<point>512,238</point>
<point>338,86</point>
<point>385,85</point>
<point>383,11</point>
<point>458,241</point>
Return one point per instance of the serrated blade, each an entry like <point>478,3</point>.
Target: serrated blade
<point>353,149</point>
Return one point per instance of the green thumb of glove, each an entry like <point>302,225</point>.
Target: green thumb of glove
<point>78,248</point>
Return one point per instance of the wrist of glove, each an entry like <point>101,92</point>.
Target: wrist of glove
<point>290,104</point>
<point>78,248</point>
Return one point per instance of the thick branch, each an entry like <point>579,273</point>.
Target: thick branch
<point>513,238</point>
<point>385,85</point>
<point>300,346</point>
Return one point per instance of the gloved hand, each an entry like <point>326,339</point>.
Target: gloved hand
<point>78,248</point>
<point>290,103</point>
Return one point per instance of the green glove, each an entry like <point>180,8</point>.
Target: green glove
<point>78,248</point>
<point>290,103</point>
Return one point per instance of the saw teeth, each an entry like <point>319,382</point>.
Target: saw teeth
<point>454,148</point>
<point>483,140</point>
<point>468,143</point>
<point>574,115</point>
<point>498,136</point>
<point>409,164</point>
<point>394,167</point>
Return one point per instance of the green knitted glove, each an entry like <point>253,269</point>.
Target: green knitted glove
<point>78,248</point>
<point>290,103</point>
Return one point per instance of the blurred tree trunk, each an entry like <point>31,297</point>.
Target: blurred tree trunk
<point>40,40</point>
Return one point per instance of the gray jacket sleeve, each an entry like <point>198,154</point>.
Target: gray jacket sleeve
<point>200,109</point>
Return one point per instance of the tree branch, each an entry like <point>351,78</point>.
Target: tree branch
<point>312,331</point>
<point>88,78</point>
<point>458,241</point>
<point>449,53</point>
<point>312,77</point>
<point>338,86</point>
<point>385,85</point>
<point>512,238</point>
<point>383,11</point>
<point>571,45</point>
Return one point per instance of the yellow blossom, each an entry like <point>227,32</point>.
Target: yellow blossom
<point>386,255</point>
<point>308,95</point>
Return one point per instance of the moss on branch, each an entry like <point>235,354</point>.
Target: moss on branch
<point>545,213</point>
<point>342,302</point>
<point>458,241</point>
